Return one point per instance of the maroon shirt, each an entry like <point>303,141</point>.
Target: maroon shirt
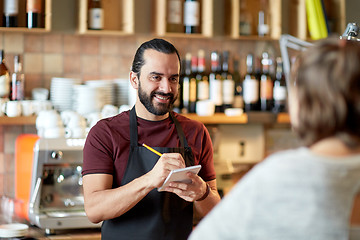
<point>107,145</point>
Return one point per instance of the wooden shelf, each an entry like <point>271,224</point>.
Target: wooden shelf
<point>253,117</point>
<point>206,19</point>
<point>296,24</point>
<point>46,4</point>
<point>233,19</point>
<point>17,120</point>
<point>118,18</point>
<point>217,118</point>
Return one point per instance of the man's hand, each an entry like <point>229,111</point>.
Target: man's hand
<point>189,191</point>
<point>166,163</point>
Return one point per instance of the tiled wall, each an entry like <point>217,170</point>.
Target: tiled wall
<point>47,55</point>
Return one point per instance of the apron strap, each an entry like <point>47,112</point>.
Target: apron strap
<point>133,128</point>
<point>134,131</point>
<point>183,141</point>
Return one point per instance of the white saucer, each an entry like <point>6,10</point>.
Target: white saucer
<point>13,230</point>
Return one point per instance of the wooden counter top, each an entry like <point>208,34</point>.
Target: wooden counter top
<point>74,234</point>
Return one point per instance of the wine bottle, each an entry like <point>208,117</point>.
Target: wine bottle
<point>174,16</point>
<point>238,90</point>
<point>202,79</point>
<point>191,16</point>
<point>280,91</point>
<point>10,13</point>
<point>228,84</point>
<point>192,86</point>
<point>17,81</point>
<point>215,81</point>
<point>266,84</point>
<point>33,14</point>
<point>250,86</point>
<point>178,104</point>
<point>186,84</point>
<point>96,15</point>
<point>245,25</point>
<point>264,19</point>
<point>4,77</point>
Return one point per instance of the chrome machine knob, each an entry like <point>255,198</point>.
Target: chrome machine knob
<point>56,155</point>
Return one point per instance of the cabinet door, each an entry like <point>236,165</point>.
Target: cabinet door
<point>206,19</point>
<point>118,17</point>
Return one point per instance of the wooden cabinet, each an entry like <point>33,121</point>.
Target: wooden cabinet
<point>295,19</point>
<point>118,18</point>
<point>206,19</point>
<point>46,18</point>
<point>237,9</point>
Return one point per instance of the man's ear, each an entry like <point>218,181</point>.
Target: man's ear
<point>134,80</point>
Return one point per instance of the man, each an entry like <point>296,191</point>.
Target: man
<point>120,177</point>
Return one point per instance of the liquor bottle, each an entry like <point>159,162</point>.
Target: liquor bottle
<point>179,103</point>
<point>250,86</point>
<point>191,16</point>
<point>96,15</point>
<point>238,90</point>
<point>245,25</point>
<point>264,19</point>
<point>174,16</point>
<point>4,77</point>
<point>215,81</point>
<point>266,84</point>
<point>33,14</point>
<point>280,91</point>
<point>10,13</point>
<point>202,79</point>
<point>17,81</point>
<point>186,85</point>
<point>192,85</point>
<point>228,84</point>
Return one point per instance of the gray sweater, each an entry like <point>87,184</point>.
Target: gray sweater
<point>293,194</point>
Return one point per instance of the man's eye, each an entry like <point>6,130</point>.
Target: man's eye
<point>155,78</point>
<point>174,79</point>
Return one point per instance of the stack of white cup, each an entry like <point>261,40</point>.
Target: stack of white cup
<point>49,124</point>
<point>75,124</point>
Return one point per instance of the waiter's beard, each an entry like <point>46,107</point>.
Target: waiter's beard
<point>161,108</point>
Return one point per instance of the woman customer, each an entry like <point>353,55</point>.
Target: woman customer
<point>305,193</point>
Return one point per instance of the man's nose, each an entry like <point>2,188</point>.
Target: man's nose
<point>165,86</point>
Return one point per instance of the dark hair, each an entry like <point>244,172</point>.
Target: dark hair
<point>328,91</point>
<point>159,45</point>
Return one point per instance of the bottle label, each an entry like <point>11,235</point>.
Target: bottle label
<point>228,86</point>
<point>216,91</point>
<point>191,13</point>
<point>11,7</point>
<point>266,88</point>
<point>192,90</point>
<point>251,90</point>
<point>4,85</point>
<point>33,6</point>
<point>96,18</point>
<point>174,12</point>
<point>186,92</point>
<point>203,90</point>
<point>280,93</point>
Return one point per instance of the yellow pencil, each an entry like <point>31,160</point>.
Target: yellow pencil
<point>151,149</point>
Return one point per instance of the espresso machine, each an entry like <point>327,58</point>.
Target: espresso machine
<point>55,198</point>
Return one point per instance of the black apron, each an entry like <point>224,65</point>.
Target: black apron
<point>159,215</point>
